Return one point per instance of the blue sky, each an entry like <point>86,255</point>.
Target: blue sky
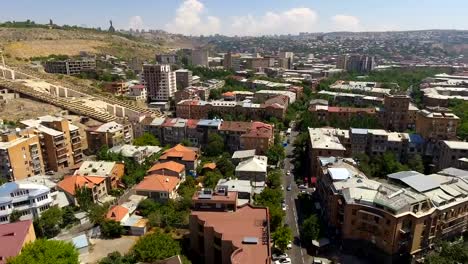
<point>246,17</point>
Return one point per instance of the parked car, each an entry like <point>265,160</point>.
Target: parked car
<point>283,261</point>
<point>289,187</point>
<point>302,186</point>
<point>288,173</point>
<point>289,246</point>
<point>283,206</point>
<point>279,256</point>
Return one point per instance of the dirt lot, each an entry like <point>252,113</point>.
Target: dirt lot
<point>102,247</point>
<point>21,108</point>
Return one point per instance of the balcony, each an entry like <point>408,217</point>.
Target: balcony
<point>62,160</point>
<point>463,225</point>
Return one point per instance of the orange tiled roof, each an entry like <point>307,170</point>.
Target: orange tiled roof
<point>180,151</point>
<point>158,183</point>
<point>70,183</point>
<point>117,213</point>
<point>210,166</point>
<point>170,165</point>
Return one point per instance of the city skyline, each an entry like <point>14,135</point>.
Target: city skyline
<point>252,18</point>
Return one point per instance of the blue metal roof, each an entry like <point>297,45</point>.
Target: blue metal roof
<point>416,138</point>
<point>209,122</point>
<point>80,241</point>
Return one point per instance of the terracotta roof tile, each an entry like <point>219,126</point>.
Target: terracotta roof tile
<point>158,183</point>
<point>180,151</point>
<point>70,183</point>
<point>170,165</point>
<point>117,213</point>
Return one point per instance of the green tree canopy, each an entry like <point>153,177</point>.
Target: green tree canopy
<point>225,166</point>
<point>155,246</point>
<point>111,229</point>
<point>275,154</point>
<point>211,178</point>
<point>215,146</point>
<point>97,213</point>
<point>416,163</point>
<point>449,253</point>
<point>282,237</point>
<point>47,251</point>
<point>310,228</point>
<point>48,225</point>
<point>274,178</point>
<point>15,216</point>
<point>84,197</point>
<point>147,139</point>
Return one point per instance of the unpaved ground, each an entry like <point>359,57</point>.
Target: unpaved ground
<point>22,108</point>
<point>102,247</point>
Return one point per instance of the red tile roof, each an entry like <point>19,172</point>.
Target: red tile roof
<point>210,166</point>
<point>70,183</point>
<point>170,165</point>
<point>12,238</point>
<point>158,183</point>
<point>117,213</point>
<point>260,129</point>
<point>180,151</point>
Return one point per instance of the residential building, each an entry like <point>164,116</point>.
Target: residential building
<point>13,237</point>
<point>118,88</point>
<point>112,172</point>
<point>118,213</point>
<point>158,187</point>
<point>256,63</point>
<point>355,99</point>
<point>183,155</point>
<point>286,59</point>
<point>253,170</point>
<point>200,57</point>
<point>324,143</point>
<point>170,168</point>
<point>27,198</point>
<point>244,188</point>
<point>70,67</point>
<point>238,235</point>
<point>20,156</point>
<point>327,114</point>
<point>356,63</point>
<point>437,125</point>
<point>160,82</point>
<point>247,135</point>
<point>237,96</point>
<point>60,141</point>
<point>199,109</point>
<point>395,115</point>
<point>58,197</point>
<point>183,78</point>
<point>263,95</point>
<point>138,153</point>
<point>193,93</point>
<point>110,134</point>
<point>137,92</point>
<point>448,153</point>
<point>241,155</point>
<point>370,88</point>
<point>166,58</point>
<point>125,214</point>
<point>96,185</point>
<point>212,83</point>
<point>232,61</point>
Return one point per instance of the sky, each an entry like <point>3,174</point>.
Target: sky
<point>245,17</point>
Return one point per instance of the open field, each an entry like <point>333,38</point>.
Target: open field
<point>22,108</point>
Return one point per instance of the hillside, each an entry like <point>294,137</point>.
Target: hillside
<point>21,44</point>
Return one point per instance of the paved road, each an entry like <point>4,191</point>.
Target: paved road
<point>297,253</point>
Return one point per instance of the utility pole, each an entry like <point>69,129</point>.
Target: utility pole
<point>3,64</point>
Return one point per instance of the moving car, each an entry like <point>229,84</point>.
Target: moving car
<point>289,187</point>
<point>283,206</point>
<point>302,186</point>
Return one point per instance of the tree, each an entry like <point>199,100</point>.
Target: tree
<point>449,253</point>
<point>111,229</point>
<point>274,178</point>
<point>275,154</point>
<point>147,139</point>
<point>97,213</point>
<point>186,143</point>
<point>155,246</point>
<point>84,197</point>
<point>282,237</point>
<point>117,258</point>
<point>416,163</point>
<point>48,225</point>
<point>215,146</point>
<point>211,178</point>
<point>311,228</point>
<point>15,216</point>
<point>68,216</point>
<point>46,251</point>
<point>225,166</point>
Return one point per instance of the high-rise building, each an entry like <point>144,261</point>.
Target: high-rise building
<point>356,63</point>
<point>395,115</point>
<point>200,57</point>
<point>286,59</point>
<point>110,134</point>
<point>232,61</point>
<point>20,155</point>
<point>437,125</point>
<point>160,82</point>
<point>183,78</point>
<point>166,58</point>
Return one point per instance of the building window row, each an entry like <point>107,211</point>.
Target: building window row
<point>19,193</point>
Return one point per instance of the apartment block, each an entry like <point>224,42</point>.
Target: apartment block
<point>200,57</point>
<point>356,63</point>
<point>328,114</point>
<point>70,67</point>
<point>27,198</point>
<point>183,78</point>
<point>448,153</point>
<point>394,115</point>
<point>160,82</point>
<point>112,172</point>
<point>60,141</point>
<point>221,232</point>
<point>20,155</point>
<point>109,134</point>
<point>254,63</point>
<point>199,109</point>
<point>437,125</point>
<point>166,58</point>
<point>232,61</point>
<point>325,142</point>
<point>400,217</point>
<point>192,93</point>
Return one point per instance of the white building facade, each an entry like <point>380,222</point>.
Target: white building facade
<point>160,82</point>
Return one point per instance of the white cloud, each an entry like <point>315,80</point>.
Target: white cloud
<point>136,22</point>
<point>345,23</point>
<point>291,21</point>
<point>189,20</point>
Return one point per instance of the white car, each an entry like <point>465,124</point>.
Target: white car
<point>302,186</point>
<point>289,246</point>
<point>283,261</point>
<point>279,256</point>
<point>288,173</point>
<point>284,207</point>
